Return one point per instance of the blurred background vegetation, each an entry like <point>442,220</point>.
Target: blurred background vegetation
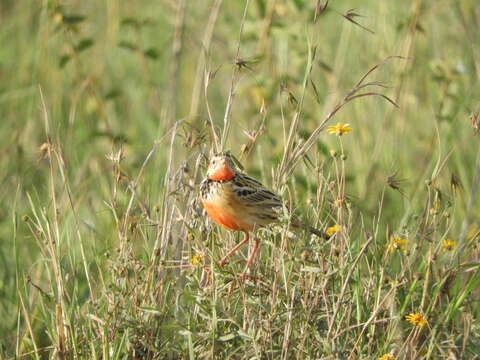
<point>83,80</point>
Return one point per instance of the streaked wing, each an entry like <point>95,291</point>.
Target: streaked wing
<point>253,194</point>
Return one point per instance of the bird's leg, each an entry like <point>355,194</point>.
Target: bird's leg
<point>231,252</point>
<point>251,258</point>
<point>244,276</point>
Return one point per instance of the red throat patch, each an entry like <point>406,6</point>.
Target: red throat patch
<point>222,173</point>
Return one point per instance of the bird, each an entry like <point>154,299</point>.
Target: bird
<point>239,202</point>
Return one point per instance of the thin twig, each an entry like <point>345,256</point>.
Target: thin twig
<point>231,93</point>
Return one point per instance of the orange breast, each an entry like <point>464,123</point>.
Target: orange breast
<point>224,218</point>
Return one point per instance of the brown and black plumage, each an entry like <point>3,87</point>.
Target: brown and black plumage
<point>237,201</point>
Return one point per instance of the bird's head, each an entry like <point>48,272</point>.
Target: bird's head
<point>222,166</point>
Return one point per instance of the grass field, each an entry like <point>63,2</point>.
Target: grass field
<point>109,113</point>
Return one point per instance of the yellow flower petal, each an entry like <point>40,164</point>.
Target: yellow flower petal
<point>398,243</point>
<point>339,129</point>
<point>416,319</point>
<point>387,357</point>
<point>195,260</point>
<point>449,244</point>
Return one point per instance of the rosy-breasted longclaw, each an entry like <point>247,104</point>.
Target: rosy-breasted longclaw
<point>238,202</point>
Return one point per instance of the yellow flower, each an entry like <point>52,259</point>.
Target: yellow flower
<point>332,230</point>
<point>449,244</point>
<point>339,129</point>
<point>195,260</point>
<point>416,319</point>
<point>387,357</point>
<point>397,243</point>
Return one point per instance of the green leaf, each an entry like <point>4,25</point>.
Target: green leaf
<point>323,65</point>
<point>129,21</point>
<point>112,94</point>
<point>73,19</point>
<point>84,44</point>
<point>244,335</point>
<point>228,337</point>
<point>470,265</point>
<point>127,45</point>
<point>64,59</point>
<point>133,22</point>
<point>152,53</point>
<point>150,310</point>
